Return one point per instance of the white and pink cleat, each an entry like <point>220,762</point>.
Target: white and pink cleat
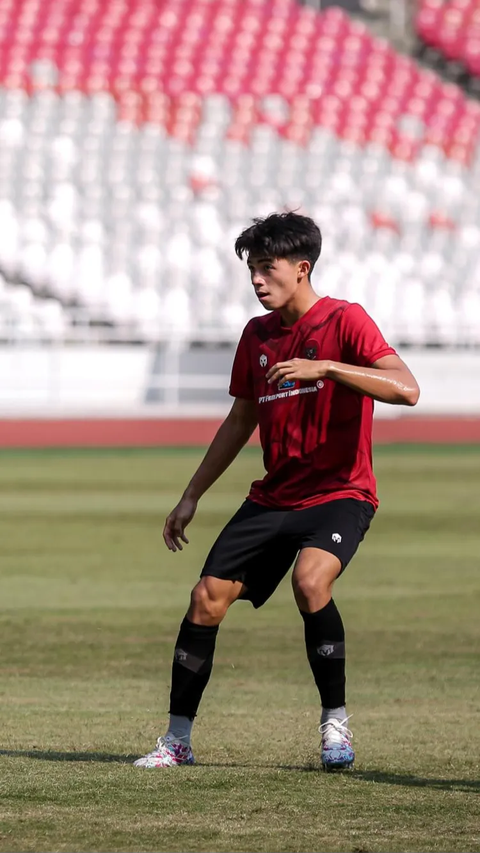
<point>167,753</point>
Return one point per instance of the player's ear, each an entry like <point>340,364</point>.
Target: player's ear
<point>303,269</point>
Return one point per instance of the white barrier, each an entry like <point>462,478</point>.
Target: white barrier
<point>77,379</point>
<point>118,380</point>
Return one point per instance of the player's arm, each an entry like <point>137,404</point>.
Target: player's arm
<point>377,371</point>
<point>232,435</point>
<point>388,380</point>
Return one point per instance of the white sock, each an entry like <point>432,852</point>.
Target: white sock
<point>339,714</point>
<point>180,728</point>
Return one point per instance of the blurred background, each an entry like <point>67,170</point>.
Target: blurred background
<point>139,137</point>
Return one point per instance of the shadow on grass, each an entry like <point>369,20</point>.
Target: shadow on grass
<point>378,776</point>
<point>69,756</point>
<point>382,777</point>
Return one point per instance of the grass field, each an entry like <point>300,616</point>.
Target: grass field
<point>91,602</point>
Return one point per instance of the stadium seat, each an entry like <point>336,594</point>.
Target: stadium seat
<point>452,30</point>
<point>138,138</point>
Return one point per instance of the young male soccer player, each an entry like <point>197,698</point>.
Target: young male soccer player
<point>307,373</point>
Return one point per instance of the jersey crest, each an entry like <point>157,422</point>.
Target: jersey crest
<point>310,350</point>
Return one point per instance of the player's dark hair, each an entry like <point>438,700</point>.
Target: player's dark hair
<point>282,235</point>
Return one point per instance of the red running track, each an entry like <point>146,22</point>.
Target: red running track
<point>114,432</point>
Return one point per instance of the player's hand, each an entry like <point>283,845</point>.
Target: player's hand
<point>174,530</point>
<point>297,368</point>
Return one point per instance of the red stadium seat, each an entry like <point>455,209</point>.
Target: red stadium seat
<point>452,27</point>
<point>358,86</point>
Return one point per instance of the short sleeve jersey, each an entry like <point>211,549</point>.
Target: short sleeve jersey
<point>316,436</point>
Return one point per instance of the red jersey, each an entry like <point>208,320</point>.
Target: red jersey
<point>316,436</point>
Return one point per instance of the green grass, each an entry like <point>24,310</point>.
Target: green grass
<point>91,602</point>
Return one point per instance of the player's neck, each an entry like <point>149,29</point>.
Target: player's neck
<point>299,306</point>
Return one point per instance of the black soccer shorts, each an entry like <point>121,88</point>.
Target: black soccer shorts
<point>259,544</point>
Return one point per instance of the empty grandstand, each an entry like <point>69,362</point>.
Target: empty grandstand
<point>138,137</point>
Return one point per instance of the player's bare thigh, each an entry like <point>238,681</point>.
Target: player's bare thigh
<point>314,574</point>
<point>211,598</point>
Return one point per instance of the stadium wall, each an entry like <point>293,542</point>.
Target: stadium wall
<point>75,396</point>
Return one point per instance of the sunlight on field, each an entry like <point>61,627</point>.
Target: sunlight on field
<point>91,605</point>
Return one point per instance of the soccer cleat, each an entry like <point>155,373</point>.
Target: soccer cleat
<point>337,752</point>
<point>167,753</point>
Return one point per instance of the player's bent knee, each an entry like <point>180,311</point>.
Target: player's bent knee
<point>207,604</point>
<point>312,590</point>
<point>309,586</point>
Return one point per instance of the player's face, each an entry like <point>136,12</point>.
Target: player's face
<point>275,280</point>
